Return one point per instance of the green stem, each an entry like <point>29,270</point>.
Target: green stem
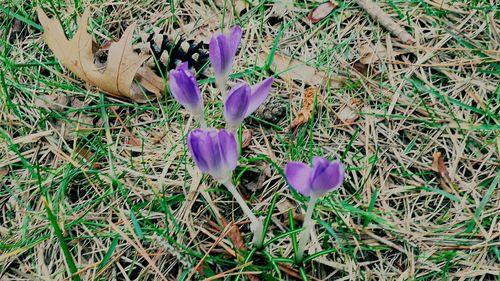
<point>222,84</point>
<point>256,225</point>
<point>306,233</point>
<point>203,122</point>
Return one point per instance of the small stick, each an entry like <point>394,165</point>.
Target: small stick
<point>384,19</point>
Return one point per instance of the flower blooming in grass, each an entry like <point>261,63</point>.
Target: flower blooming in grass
<point>314,181</point>
<point>184,88</point>
<point>243,101</point>
<point>222,49</point>
<point>317,180</point>
<point>214,151</point>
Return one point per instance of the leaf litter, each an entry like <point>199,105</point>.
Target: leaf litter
<point>307,107</point>
<point>322,11</point>
<point>116,76</point>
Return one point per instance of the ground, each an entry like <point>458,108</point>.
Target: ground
<point>106,189</point>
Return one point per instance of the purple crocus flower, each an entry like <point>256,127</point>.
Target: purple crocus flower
<point>214,151</point>
<point>317,180</point>
<point>222,49</point>
<point>243,101</point>
<point>184,88</point>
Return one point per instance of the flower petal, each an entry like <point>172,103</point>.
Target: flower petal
<point>236,104</point>
<point>185,90</point>
<point>214,152</point>
<point>222,49</point>
<point>320,161</point>
<point>197,144</point>
<point>234,39</point>
<point>214,52</point>
<point>298,176</point>
<point>221,55</point>
<point>183,66</point>
<point>327,176</point>
<point>339,173</point>
<point>228,149</point>
<point>258,95</point>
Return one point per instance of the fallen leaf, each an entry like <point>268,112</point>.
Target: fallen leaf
<point>290,69</point>
<point>290,271</point>
<point>322,11</point>
<point>4,171</point>
<point>55,102</point>
<point>252,181</point>
<point>370,53</point>
<point>235,235</point>
<point>347,114</point>
<point>150,81</point>
<point>86,155</point>
<point>283,208</point>
<point>439,166</point>
<point>75,126</point>
<point>360,67</point>
<point>247,137</point>
<point>117,76</point>
<point>307,107</point>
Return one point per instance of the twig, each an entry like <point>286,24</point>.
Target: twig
<point>384,19</point>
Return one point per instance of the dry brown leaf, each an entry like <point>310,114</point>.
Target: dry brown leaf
<point>247,137</point>
<point>235,235</point>
<point>439,166</point>
<point>86,155</point>
<point>4,171</point>
<point>122,66</point>
<point>360,67</point>
<point>290,69</point>
<point>283,208</point>
<point>55,102</point>
<point>150,81</point>
<point>307,107</point>
<point>290,271</point>
<point>370,53</point>
<point>75,126</point>
<point>322,11</point>
<point>348,114</point>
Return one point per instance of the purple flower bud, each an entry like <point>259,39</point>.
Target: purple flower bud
<point>184,88</point>
<point>222,49</point>
<point>243,101</point>
<point>214,151</point>
<point>322,177</point>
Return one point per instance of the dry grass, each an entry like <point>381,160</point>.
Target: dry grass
<point>113,183</point>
